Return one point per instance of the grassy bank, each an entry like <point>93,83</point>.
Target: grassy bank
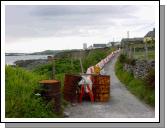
<point>20,100</point>
<point>136,86</point>
<point>72,66</point>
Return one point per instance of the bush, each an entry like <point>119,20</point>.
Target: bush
<point>150,78</point>
<point>93,58</point>
<point>131,61</point>
<point>63,65</point>
<point>122,58</point>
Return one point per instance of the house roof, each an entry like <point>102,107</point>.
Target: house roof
<point>150,34</point>
<point>99,45</point>
<point>132,39</point>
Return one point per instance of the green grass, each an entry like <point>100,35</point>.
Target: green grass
<point>136,86</point>
<point>95,56</point>
<point>60,77</point>
<point>140,55</point>
<point>63,65</point>
<point>20,101</point>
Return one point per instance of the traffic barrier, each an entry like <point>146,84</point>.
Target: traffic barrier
<point>102,63</point>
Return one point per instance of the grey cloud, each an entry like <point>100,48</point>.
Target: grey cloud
<point>59,10</point>
<point>63,20</point>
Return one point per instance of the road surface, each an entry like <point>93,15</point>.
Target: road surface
<point>122,103</point>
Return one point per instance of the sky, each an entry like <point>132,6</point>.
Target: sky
<point>34,28</point>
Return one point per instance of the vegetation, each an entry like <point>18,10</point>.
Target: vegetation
<point>72,66</point>
<point>63,65</point>
<point>150,78</point>
<point>20,85</point>
<point>138,87</point>
<point>138,50</point>
<point>124,59</point>
<point>94,57</point>
<point>20,99</point>
<point>140,55</point>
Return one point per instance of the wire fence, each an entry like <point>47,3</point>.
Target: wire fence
<point>140,51</point>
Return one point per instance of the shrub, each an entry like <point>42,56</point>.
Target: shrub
<point>131,61</point>
<point>122,58</point>
<point>150,78</point>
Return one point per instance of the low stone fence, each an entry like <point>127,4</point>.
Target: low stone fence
<point>140,69</point>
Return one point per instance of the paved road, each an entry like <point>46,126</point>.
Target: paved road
<point>122,103</point>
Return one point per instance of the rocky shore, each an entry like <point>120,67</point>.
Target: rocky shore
<point>30,64</point>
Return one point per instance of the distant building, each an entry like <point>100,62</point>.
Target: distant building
<point>99,46</point>
<point>125,41</point>
<point>150,36</point>
<point>84,46</point>
<point>110,44</point>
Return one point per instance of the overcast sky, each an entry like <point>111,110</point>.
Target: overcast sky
<point>30,28</point>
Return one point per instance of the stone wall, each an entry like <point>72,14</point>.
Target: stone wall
<point>140,69</point>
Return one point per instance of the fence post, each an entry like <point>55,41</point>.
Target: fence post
<point>146,51</point>
<point>130,52</point>
<point>126,50</point>
<point>81,65</point>
<point>53,68</point>
<point>134,51</point>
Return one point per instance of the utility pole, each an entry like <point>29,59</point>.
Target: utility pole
<point>81,65</point>
<point>134,49</point>
<point>52,59</point>
<point>53,68</point>
<point>127,34</point>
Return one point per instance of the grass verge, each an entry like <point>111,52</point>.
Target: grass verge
<point>20,100</point>
<point>137,87</point>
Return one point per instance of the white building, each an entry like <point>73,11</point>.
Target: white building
<point>84,46</point>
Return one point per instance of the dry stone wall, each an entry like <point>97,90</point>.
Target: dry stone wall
<point>140,69</point>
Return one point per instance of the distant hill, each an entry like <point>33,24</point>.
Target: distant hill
<point>46,52</point>
<point>15,54</point>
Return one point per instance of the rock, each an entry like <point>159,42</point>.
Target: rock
<point>141,68</point>
<point>30,64</point>
<point>66,114</point>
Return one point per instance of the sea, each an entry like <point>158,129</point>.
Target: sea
<point>9,60</point>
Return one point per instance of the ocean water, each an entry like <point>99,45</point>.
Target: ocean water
<point>11,59</point>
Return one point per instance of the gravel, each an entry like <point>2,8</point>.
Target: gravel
<point>122,103</point>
